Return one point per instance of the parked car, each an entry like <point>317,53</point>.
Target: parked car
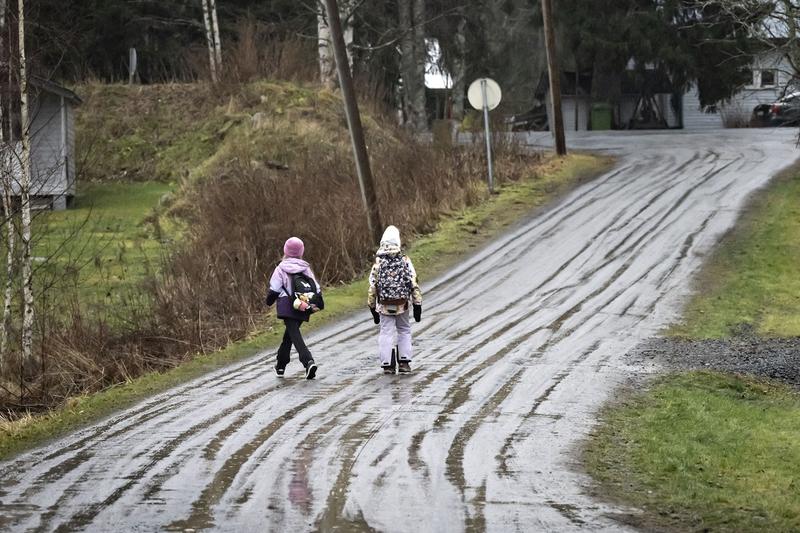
<point>783,112</point>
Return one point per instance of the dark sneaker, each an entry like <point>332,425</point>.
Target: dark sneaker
<point>403,367</point>
<point>388,369</point>
<point>311,370</point>
<point>279,371</point>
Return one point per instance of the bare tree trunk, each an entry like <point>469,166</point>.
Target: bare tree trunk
<point>5,176</point>
<point>327,66</point>
<point>10,257</point>
<point>420,60</point>
<point>212,4</point>
<point>346,8</point>
<point>460,68</point>
<point>25,194</point>
<point>212,59</point>
<point>412,63</point>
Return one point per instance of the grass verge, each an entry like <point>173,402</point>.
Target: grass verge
<point>101,247</point>
<point>750,282</point>
<point>455,236</point>
<point>703,451</point>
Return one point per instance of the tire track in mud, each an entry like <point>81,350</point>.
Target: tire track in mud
<point>89,512</point>
<point>201,516</point>
<point>503,456</point>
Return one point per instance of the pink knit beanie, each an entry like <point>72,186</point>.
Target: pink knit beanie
<point>294,247</point>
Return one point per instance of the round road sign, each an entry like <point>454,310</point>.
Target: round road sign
<point>493,93</point>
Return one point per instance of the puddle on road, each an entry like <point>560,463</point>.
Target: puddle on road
<point>299,489</point>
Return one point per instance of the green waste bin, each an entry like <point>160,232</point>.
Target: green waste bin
<point>601,116</point>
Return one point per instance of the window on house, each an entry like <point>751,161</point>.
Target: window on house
<point>767,78</point>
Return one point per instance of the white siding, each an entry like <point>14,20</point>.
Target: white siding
<point>569,104</point>
<point>50,176</point>
<point>696,118</point>
<point>71,155</point>
<point>47,147</point>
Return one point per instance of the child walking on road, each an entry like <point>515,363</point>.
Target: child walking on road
<point>298,294</point>
<point>393,289</point>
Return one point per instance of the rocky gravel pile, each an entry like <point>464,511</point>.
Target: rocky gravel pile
<point>743,354</point>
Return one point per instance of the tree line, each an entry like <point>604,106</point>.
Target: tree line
<point>706,42</point>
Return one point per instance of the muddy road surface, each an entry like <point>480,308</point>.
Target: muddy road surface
<point>518,347</point>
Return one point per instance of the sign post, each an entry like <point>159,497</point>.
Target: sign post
<point>485,93</point>
<point>132,65</point>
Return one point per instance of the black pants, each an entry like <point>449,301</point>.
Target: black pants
<point>291,336</point>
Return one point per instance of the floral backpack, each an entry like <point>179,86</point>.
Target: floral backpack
<point>394,281</point>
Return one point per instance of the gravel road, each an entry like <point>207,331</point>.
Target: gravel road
<point>518,348</point>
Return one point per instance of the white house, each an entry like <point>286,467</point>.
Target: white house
<point>770,76</point>
<point>52,130</point>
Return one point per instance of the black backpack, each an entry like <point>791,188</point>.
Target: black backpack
<point>302,284</point>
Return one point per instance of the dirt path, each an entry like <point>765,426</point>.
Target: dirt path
<point>517,349</point>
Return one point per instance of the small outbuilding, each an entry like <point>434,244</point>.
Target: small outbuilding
<point>52,130</point>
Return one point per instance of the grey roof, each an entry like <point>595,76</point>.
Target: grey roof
<point>52,87</point>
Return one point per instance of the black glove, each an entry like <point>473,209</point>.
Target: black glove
<point>417,312</point>
<point>375,316</point>
<point>271,297</point>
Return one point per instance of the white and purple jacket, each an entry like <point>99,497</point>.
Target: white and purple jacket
<point>280,287</point>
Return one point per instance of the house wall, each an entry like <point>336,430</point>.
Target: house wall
<point>739,109</point>
<point>696,118</point>
<point>568,105</point>
<point>70,115</point>
<point>47,147</point>
<point>758,91</point>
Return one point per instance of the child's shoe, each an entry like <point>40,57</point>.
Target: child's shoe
<point>403,367</point>
<point>311,370</point>
<point>279,371</point>
<point>388,369</point>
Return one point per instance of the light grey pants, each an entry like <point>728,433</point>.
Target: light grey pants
<point>391,325</point>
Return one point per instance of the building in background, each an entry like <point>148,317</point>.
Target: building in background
<point>52,131</point>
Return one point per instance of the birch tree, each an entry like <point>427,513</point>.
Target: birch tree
<point>327,65</point>
<point>6,177</point>
<point>211,41</point>
<point>212,4</point>
<point>25,195</point>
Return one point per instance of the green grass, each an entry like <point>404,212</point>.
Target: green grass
<point>704,451</point>
<point>170,132</point>
<point>455,235</point>
<point>101,248</point>
<point>751,280</point>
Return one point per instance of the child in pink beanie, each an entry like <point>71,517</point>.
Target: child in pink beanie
<point>298,294</point>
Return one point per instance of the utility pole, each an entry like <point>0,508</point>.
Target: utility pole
<point>354,122</point>
<point>557,127</point>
